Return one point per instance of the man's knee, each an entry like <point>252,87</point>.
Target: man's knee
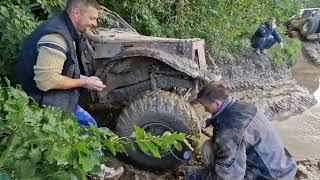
<point>269,42</point>
<point>84,118</point>
<point>207,152</point>
<point>258,42</point>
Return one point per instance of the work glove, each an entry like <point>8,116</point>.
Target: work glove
<point>94,83</point>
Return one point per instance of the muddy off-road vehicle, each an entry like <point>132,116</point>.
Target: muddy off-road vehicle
<point>305,25</point>
<point>151,80</point>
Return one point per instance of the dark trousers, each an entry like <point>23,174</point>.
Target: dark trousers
<point>262,42</point>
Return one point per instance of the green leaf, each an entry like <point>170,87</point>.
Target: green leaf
<point>89,162</point>
<point>143,147</point>
<point>110,146</point>
<point>59,153</point>
<point>7,81</point>
<point>179,137</point>
<point>35,155</point>
<point>120,147</point>
<point>177,146</point>
<point>155,140</point>
<point>139,132</point>
<point>82,147</point>
<point>61,175</point>
<point>25,168</point>
<point>154,149</point>
<point>195,139</point>
<point>20,152</point>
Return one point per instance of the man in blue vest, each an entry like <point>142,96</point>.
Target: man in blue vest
<point>244,143</point>
<point>49,66</point>
<point>266,36</point>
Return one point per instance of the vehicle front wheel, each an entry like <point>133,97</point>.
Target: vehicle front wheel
<point>157,112</point>
<point>310,26</point>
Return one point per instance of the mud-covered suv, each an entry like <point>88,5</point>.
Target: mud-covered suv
<point>151,80</point>
<point>305,24</point>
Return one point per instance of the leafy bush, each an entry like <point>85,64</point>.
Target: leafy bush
<point>17,21</point>
<point>43,143</point>
<point>225,25</point>
<point>312,3</point>
<point>287,56</point>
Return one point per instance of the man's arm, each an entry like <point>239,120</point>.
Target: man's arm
<point>51,57</point>
<point>48,72</point>
<point>231,164</point>
<point>276,36</point>
<point>69,83</point>
<point>92,83</point>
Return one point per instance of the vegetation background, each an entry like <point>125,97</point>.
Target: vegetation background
<point>225,25</point>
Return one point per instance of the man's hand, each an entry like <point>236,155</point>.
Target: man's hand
<point>281,44</point>
<point>93,83</point>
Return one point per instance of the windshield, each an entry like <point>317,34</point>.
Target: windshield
<point>108,21</point>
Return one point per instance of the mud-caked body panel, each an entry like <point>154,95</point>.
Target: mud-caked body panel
<point>130,63</point>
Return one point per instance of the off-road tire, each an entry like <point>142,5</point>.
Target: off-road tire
<point>310,26</point>
<point>157,107</point>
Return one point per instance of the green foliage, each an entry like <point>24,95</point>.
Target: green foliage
<point>42,143</point>
<point>225,25</point>
<point>312,3</point>
<point>287,56</point>
<point>17,21</point>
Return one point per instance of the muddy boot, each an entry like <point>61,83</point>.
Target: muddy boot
<point>111,173</point>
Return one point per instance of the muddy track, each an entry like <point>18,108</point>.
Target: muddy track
<point>311,51</point>
<point>253,79</point>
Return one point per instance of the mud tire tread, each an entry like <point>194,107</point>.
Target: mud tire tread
<point>159,103</point>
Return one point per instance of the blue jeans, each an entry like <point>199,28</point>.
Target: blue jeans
<point>84,118</point>
<point>262,43</point>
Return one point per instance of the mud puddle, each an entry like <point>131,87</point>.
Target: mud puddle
<point>301,133</point>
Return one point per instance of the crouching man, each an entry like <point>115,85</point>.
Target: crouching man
<point>266,36</point>
<point>244,143</point>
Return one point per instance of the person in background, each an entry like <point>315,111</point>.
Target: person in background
<point>244,143</point>
<point>266,36</point>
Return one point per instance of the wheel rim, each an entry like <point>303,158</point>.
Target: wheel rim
<point>306,26</point>
<point>157,129</point>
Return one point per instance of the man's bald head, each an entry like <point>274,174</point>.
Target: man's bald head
<point>82,4</point>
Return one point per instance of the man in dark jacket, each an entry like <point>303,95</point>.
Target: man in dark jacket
<point>244,143</point>
<point>49,65</point>
<point>266,36</point>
